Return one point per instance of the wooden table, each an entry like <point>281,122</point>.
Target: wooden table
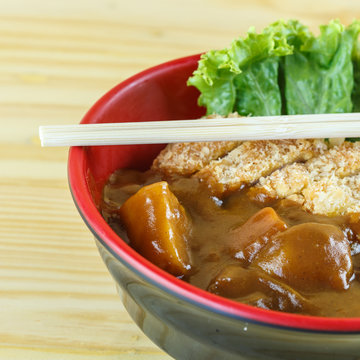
<point>56,58</point>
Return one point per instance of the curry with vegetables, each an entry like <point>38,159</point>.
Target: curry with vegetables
<point>266,251</point>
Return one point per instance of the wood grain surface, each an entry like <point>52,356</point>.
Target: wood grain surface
<point>57,300</point>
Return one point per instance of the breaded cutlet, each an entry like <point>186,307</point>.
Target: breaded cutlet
<point>322,180</point>
<point>254,159</point>
<point>328,184</point>
<point>332,196</point>
<point>280,184</point>
<point>187,158</point>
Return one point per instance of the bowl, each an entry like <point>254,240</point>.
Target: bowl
<point>185,321</point>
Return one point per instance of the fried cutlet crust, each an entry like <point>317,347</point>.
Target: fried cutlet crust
<point>322,180</point>
<point>251,160</point>
<point>187,158</point>
<point>328,184</point>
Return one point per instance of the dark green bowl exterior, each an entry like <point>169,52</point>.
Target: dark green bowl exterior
<point>189,331</point>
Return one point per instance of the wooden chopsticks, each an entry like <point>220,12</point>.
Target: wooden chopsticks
<point>238,128</point>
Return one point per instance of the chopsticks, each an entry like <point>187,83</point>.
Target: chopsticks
<point>215,129</point>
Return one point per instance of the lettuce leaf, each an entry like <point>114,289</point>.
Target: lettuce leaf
<point>355,96</point>
<point>319,75</point>
<point>214,78</point>
<point>283,70</point>
<point>262,76</point>
<point>249,64</point>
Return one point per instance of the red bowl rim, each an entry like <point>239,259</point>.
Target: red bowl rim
<point>77,175</point>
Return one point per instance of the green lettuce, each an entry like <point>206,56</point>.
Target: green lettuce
<point>283,70</point>
<point>245,74</point>
<point>355,96</point>
<point>319,74</point>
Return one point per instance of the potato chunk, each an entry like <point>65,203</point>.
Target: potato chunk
<point>247,240</point>
<point>234,281</point>
<point>308,257</point>
<point>158,227</point>
<point>255,287</point>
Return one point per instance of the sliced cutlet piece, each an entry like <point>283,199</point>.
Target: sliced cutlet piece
<point>282,183</point>
<point>253,159</point>
<point>187,158</point>
<point>342,160</point>
<point>334,186</point>
<point>333,196</point>
<point>328,184</point>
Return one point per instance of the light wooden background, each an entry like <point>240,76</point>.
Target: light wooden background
<point>57,300</point>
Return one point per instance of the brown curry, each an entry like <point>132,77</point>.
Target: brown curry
<point>273,255</point>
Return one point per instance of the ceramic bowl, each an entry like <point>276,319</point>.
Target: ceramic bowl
<point>186,322</point>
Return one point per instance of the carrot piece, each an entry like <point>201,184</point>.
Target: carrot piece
<point>248,239</point>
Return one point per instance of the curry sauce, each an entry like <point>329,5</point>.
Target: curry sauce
<point>273,255</point>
